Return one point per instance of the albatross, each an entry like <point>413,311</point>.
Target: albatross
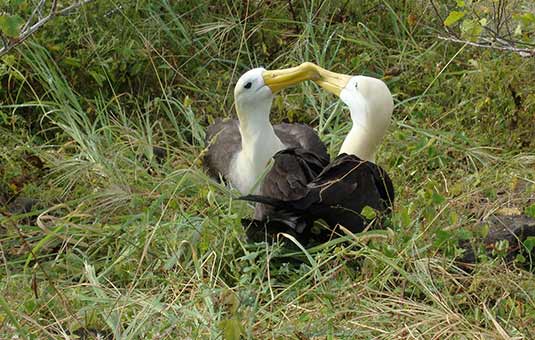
<point>301,188</point>
<point>240,150</point>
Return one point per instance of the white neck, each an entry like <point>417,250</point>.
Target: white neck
<point>368,127</point>
<point>259,144</point>
<point>358,142</point>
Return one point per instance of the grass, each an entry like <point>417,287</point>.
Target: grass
<point>134,247</point>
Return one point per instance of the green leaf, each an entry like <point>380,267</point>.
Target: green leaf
<point>501,247</point>
<point>529,243</point>
<point>437,198</point>
<point>520,258</point>
<point>484,231</point>
<point>368,212</point>
<point>453,218</point>
<point>10,25</point>
<point>232,329</point>
<point>528,18</point>
<point>464,234</point>
<point>471,29</point>
<point>442,236</point>
<point>9,60</point>
<point>518,30</point>
<point>530,211</point>
<point>453,17</point>
<point>403,217</point>
<point>460,3</point>
<point>188,101</point>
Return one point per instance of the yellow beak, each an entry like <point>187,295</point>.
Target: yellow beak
<point>331,81</point>
<point>280,79</point>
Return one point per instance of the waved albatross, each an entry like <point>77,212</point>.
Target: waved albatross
<point>302,188</point>
<point>239,150</point>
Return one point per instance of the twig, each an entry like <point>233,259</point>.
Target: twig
<point>496,34</point>
<point>64,11</point>
<point>35,11</point>
<point>29,29</point>
<point>53,7</point>
<point>523,52</point>
<point>294,16</point>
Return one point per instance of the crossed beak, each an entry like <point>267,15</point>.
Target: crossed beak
<point>277,80</point>
<point>330,81</point>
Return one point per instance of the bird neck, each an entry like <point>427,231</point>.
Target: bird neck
<point>360,142</point>
<point>258,139</point>
<point>363,139</point>
<point>259,143</point>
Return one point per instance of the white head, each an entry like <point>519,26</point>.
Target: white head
<point>254,90</point>
<point>252,96</point>
<point>371,105</point>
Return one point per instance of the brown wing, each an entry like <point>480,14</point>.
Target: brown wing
<point>293,169</point>
<point>344,188</point>
<point>337,196</point>
<point>224,141</point>
<point>354,183</point>
<point>301,136</point>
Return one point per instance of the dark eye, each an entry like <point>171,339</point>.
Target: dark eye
<point>356,85</point>
<point>248,85</point>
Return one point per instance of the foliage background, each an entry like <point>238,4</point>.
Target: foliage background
<point>133,245</point>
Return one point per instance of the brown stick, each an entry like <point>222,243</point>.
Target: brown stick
<point>523,52</point>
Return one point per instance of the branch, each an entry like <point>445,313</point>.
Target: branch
<point>28,29</point>
<point>494,20</point>
<point>523,52</point>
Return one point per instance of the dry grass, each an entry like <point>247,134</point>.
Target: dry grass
<point>134,247</point>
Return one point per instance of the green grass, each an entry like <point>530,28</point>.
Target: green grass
<point>135,248</point>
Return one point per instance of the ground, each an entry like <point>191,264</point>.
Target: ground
<point>101,234</point>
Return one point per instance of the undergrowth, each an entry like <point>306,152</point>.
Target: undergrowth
<point>102,122</point>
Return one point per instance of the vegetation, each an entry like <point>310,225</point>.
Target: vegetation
<point>133,243</point>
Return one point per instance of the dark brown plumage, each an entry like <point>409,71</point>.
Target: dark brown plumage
<point>224,142</point>
<point>293,169</point>
<point>337,196</point>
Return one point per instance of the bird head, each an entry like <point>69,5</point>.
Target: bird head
<point>255,89</point>
<point>370,104</point>
<point>377,97</point>
<point>370,95</point>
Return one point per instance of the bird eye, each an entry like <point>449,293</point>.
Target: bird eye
<point>356,85</point>
<point>248,85</point>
